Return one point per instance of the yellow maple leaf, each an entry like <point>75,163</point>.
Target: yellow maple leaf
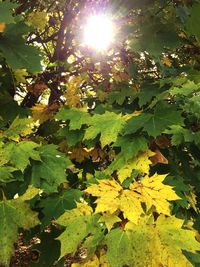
<point>130,205</point>
<point>2,27</point>
<point>154,193</point>
<point>73,94</point>
<point>107,192</point>
<point>112,198</point>
<point>167,61</point>
<point>42,113</point>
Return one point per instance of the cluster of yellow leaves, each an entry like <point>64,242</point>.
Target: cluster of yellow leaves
<point>2,27</point>
<point>112,198</point>
<point>118,73</point>
<point>42,113</point>
<point>72,95</point>
<point>37,20</point>
<point>166,61</point>
<point>20,75</point>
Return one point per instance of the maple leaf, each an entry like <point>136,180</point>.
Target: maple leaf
<point>43,113</point>
<point>78,154</point>
<point>118,248</point>
<point>166,61</point>
<point>166,241</point>
<point>49,173</point>
<point>112,198</point>
<point>124,169</point>
<point>107,192</point>
<point>140,163</point>
<point>154,193</point>
<point>55,205</point>
<point>130,146</point>
<point>6,174</point>
<point>164,116</point>
<point>15,214</point>
<point>158,158</point>
<point>2,27</point>
<point>107,125</point>
<point>185,89</point>
<point>76,117</point>
<point>130,205</point>
<point>79,223</point>
<point>109,220</point>
<point>19,154</point>
<point>19,127</point>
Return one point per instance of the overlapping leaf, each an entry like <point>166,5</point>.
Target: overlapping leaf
<point>15,214</point>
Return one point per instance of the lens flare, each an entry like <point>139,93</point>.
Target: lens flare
<point>99,32</point>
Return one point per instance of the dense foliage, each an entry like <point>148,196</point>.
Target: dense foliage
<point>99,152</point>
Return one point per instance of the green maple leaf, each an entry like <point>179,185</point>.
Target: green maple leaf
<point>19,127</point>
<point>6,8</point>
<point>119,96</point>
<point>159,37</point>
<point>77,117</point>
<point>15,214</point>
<point>182,135</point>
<point>6,175</point>
<point>9,108</point>
<point>130,146</point>
<point>192,25</point>
<point>49,173</point>
<point>107,125</point>
<point>154,124</point>
<point>19,154</point>
<point>55,205</point>
<point>79,224</point>
<point>18,54</point>
<point>185,89</point>
<point>119,248</point>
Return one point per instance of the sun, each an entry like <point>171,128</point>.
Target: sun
<point>99,32</point>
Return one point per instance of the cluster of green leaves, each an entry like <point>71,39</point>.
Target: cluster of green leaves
<point>99,153</point>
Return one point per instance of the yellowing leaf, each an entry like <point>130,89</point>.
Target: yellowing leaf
<point>73,94</point>
<point>161,243</point>
<point>15,214</point>
<point>166,61</point>
<point>19,127</point>
<point>37,20</point>
<point>2,27</point>
<point>20,75</point>
<point>154,193</point>
<point>93,262</point>
<point>140,163</point>
<point>109,220</point>
<point>43,113</point>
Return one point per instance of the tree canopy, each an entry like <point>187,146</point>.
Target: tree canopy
<point>99,150</point>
